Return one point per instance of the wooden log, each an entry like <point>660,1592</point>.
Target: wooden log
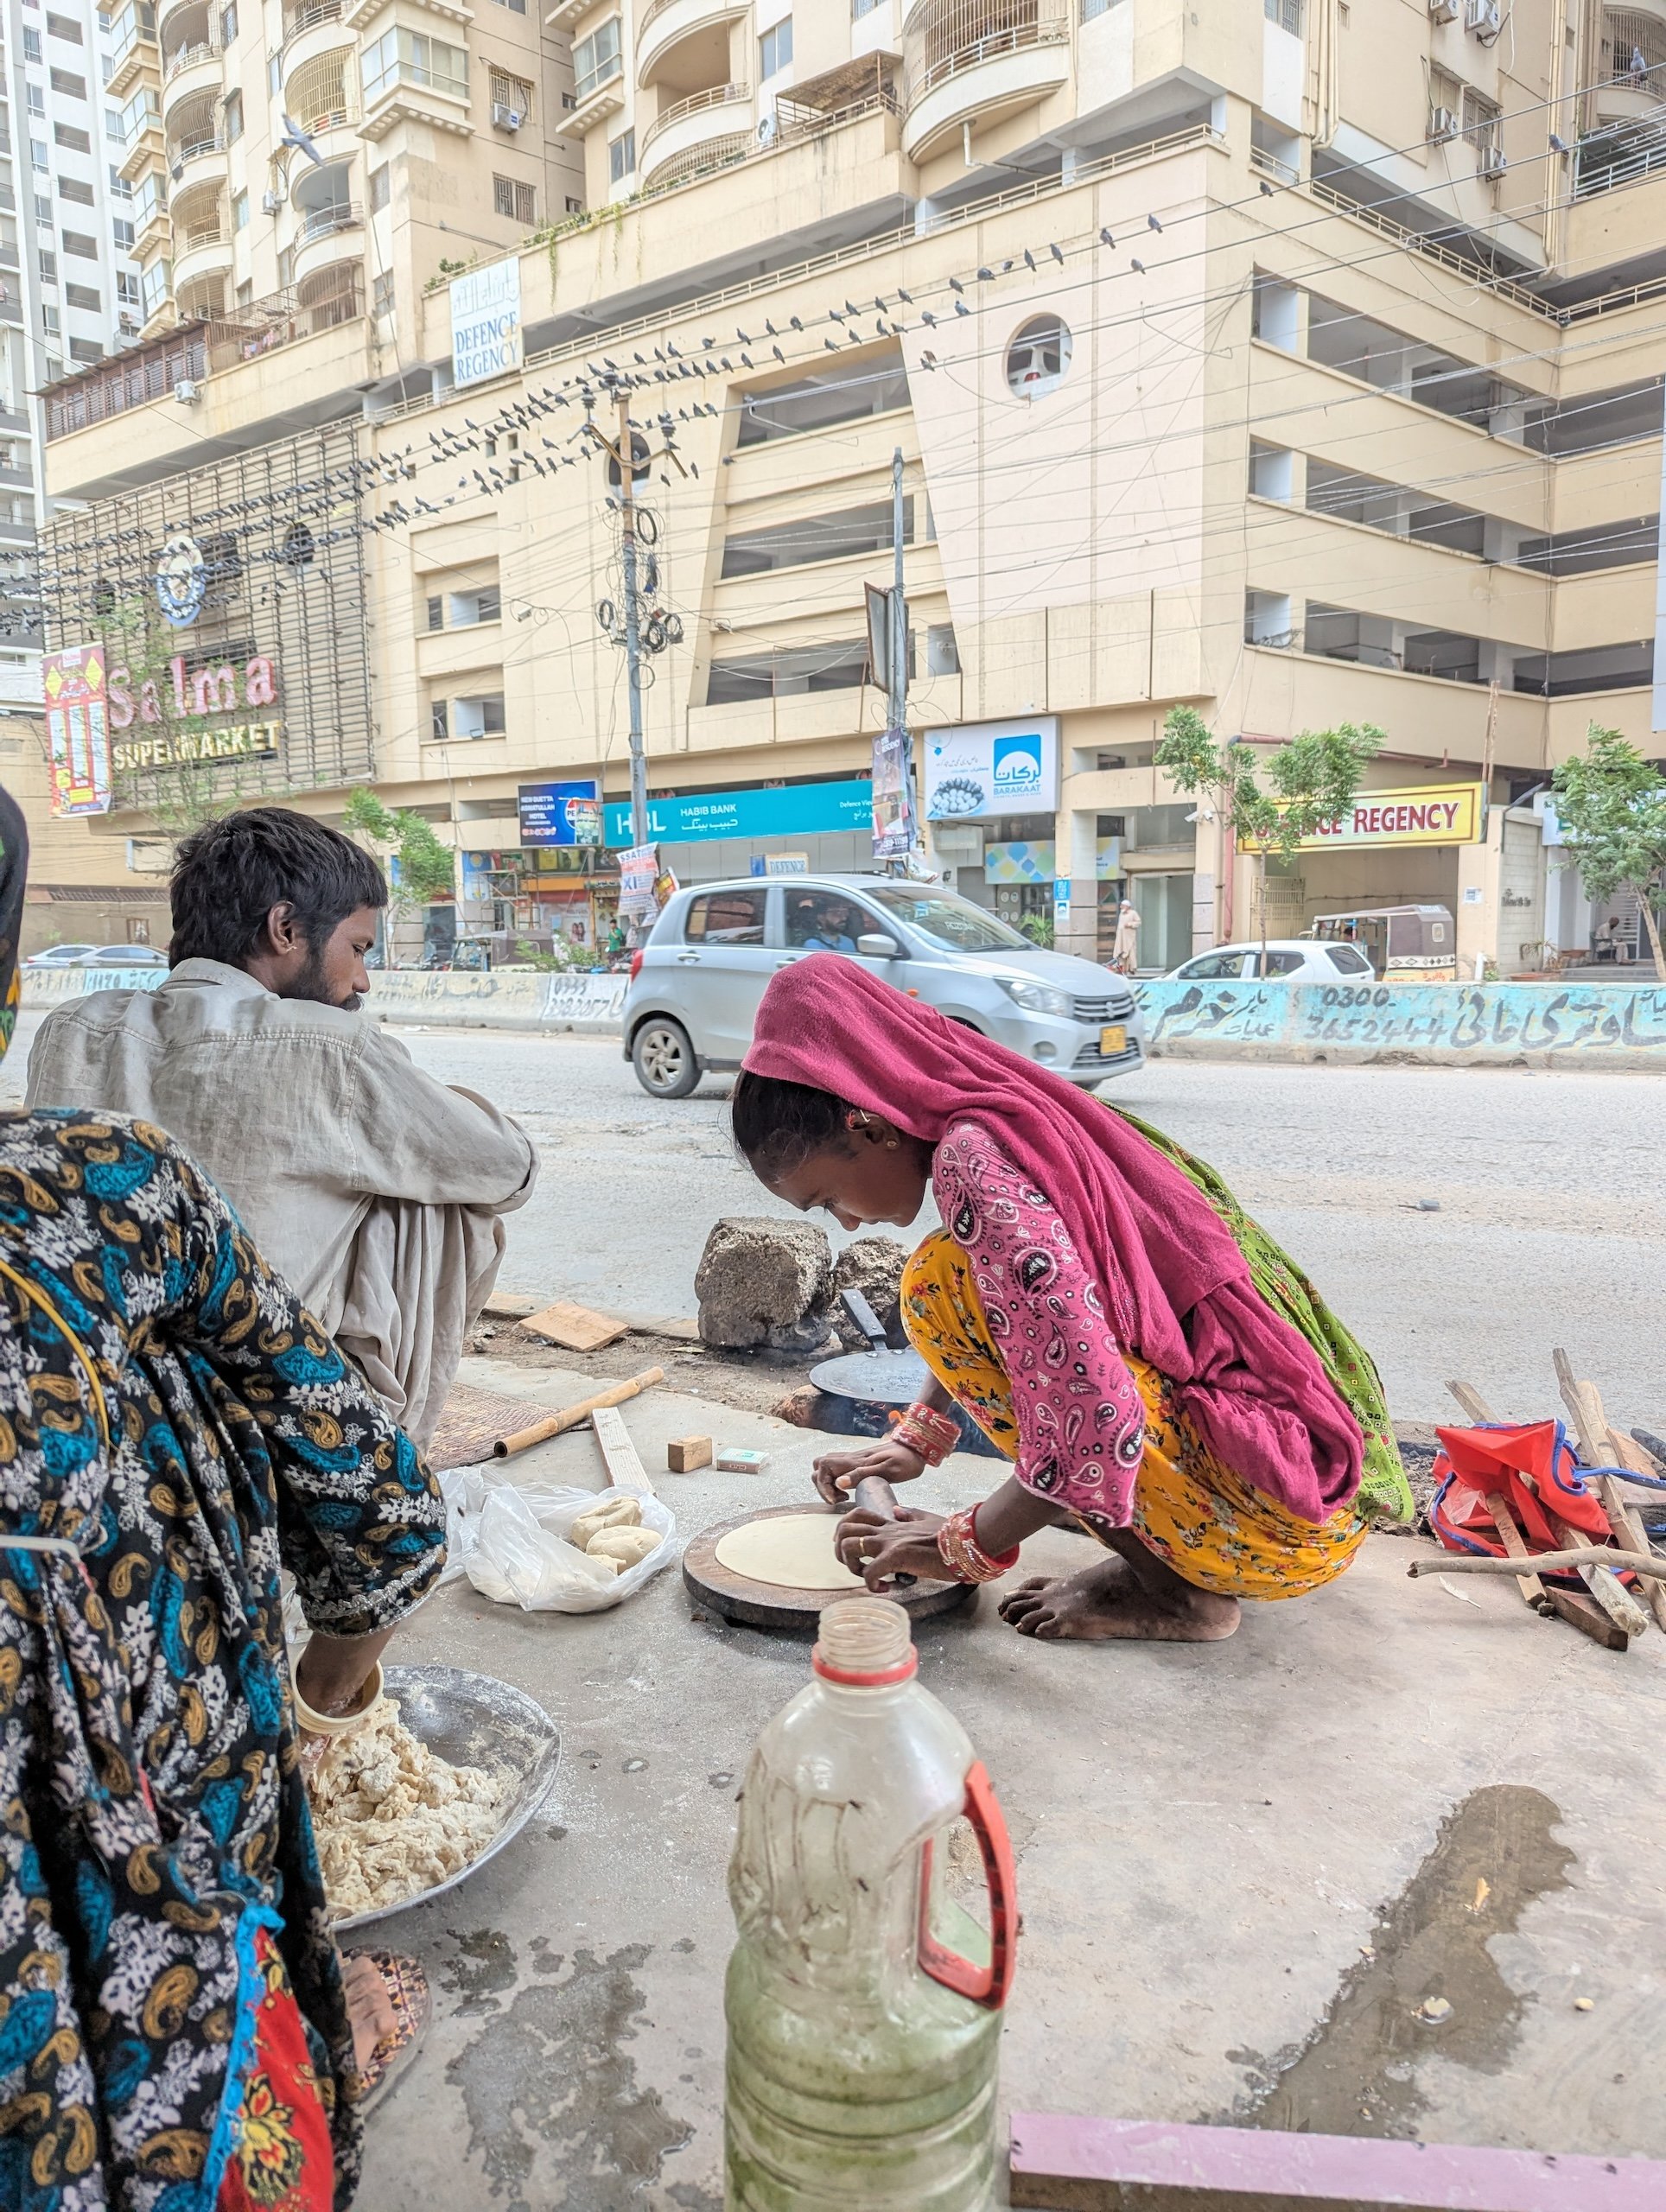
<point>557,1424</point>
<point>1510,1537</point>
<point>1067,2164</point>
<point>1577,1554</point>
<point>624,1462</point>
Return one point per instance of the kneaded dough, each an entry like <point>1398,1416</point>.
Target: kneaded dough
<point>792,1551</point>
<point>392,1818</point>
<point>613,1513</point>
<point>630,1547</point>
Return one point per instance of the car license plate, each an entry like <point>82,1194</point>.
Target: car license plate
<point>1113,1042</point>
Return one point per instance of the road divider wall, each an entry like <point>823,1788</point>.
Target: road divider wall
<point>510,998</point>
<point>1429,1025</point>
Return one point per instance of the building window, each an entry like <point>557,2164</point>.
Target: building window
<point>479,717</point>
<point>515,7</point>
<point>77,141</point>
<point>228,25</point>
<point>286,268</point>
<point>84,296</point>
<point>50,322</point>
<point>381,188</point>
<point>1286,13</point>
<point>1038,357</point>
<point>31,44</point>
<point>140,114</point>
<point>570,101</point>
<point>621,156</point>
<point>438,728</point>
<point>240,211</point>
<point>122,230</point>
<point>942,652</point>
<point>381,293</point>
<point>575,206</point>
<point>119,187</point>
<point>44,213</point>
<point>66,82</point>
<point>841,536</point>
<point>66,28</point>
<point>466,609</point>
<point>437,612</point>
<point>1481,119</point>
<point>595,59</point>
<point>36,98</point>
<point>86,350</point>
<point>40,160</point>
<point>275,73</point>
<point>233,111</point>
<point>519,202</point>
<point>860,8</point>
<point>246,292</point>
<point>127,288</point>
<point>775,49</point>
<point>409,57</point>
<point>510,96</point>
<point>71,188</point>
<point>155,286</point>
<point>77,244</point>
<point>114,126</point>
<point>48,267</point>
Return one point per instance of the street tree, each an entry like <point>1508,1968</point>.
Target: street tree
<point>426,869</point>
<point>1612,803</point>
<point>1311,781</point>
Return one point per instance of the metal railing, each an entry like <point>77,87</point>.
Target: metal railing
<point>1624,153</point>
<point>945,38</point>
<point>696,104</point>
<point>657,8</point>
<point>206,49</point>
<point>213,233</point>
<point>190,149</point>
<point>1472,272</point>
<point>324,222</point>
<point>307,18</point>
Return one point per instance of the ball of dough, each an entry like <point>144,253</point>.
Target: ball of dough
<point>628,1546</point>
<point>611,1512</point>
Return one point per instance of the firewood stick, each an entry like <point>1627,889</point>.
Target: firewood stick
<point>1510,1537</point>
<point>1597,1448</point>
<point>1577,1556</point>
<point>569,1416</point>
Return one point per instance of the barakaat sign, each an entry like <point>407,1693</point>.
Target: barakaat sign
<point>1424,814</point>
<point>193,696</point>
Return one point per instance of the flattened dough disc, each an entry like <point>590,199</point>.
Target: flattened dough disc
<point>788,1551</point>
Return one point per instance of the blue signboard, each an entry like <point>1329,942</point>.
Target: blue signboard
<point>549,815</point>
<point>790,811</point>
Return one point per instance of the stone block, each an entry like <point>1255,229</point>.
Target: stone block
<point>764,1283</point>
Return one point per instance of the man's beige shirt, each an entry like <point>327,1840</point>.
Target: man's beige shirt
<point>376,1190</point>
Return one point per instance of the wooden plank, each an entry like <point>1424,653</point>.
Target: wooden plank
<point>625,1469</point>
<point>557,1424</point>
<point>574,1328</point>
<point>1471,1401</point>
<point>1510,1537</point>
<point>1121,2165</point>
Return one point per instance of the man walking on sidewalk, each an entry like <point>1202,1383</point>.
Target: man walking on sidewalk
<point>376,1190</point>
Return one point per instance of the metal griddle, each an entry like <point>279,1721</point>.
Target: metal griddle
<point>879,1375</point>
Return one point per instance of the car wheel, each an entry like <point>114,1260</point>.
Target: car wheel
<point>662,1056</point>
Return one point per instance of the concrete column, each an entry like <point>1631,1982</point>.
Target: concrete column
<point>1206,861</point>
<point>1076,905</point>
<point>1478,869</point>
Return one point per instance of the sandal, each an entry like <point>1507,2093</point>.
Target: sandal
<point>412,2005</point>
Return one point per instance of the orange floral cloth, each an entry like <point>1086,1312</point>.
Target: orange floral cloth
<point>281,2158</point>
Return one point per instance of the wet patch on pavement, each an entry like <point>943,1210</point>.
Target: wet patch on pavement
<point>483,1968</point>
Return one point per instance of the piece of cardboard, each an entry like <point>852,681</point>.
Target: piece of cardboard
<point>574,1328</point>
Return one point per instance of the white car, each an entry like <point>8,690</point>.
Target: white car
<point>1289,960</point>
<point>695,987</point>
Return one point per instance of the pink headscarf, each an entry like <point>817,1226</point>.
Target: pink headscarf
<point>1177,1289</point>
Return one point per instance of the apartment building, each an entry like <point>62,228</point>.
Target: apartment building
<point>1302,363</point>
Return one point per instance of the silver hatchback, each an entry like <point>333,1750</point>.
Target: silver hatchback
<point>696,985</point>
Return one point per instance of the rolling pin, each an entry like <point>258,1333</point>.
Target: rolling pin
<point>875,1495</point>
<point>570,1416</point>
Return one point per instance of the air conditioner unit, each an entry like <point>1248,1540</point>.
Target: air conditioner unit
<point>505,117</point>
<point>128,325</point>
<point>1445,11</point>
<point>1484,17</point>
<point>1443,126</point>
<point>1490,161</point>
<point>271,202</point>
<point>185,392</point>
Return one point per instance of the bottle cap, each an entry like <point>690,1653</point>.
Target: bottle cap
<point>865,1643</point>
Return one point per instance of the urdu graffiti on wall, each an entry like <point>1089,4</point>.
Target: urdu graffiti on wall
<point>1482,1021</point>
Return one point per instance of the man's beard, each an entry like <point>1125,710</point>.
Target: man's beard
<point>310,984</point>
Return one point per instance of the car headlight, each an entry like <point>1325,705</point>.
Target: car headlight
<point>1041,998</point>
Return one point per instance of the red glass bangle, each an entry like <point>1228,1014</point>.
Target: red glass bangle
<point>930,1433</point>
<point>964,1557</point>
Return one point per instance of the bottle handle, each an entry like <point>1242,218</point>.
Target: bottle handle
<point>988,1986</point>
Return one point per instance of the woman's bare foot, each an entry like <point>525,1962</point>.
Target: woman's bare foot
<point>1112,1601</point>
<point>370,2007</point>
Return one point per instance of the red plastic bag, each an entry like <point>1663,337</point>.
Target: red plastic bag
<point>1532,1466</point>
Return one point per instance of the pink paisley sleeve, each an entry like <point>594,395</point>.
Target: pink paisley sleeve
<point>1081,1422</point>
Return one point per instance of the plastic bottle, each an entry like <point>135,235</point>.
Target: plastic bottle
<point>863,2005</point>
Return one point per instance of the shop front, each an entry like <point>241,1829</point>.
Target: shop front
<point>1399,848</point>
<point>708,836</point>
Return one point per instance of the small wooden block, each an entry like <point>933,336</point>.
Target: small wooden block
<point>574,1328</point>
<point>625,1469</point>
<point>684,1453</point>
<point>1129,2166</point>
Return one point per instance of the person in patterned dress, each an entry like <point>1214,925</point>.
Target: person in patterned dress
<point>1164,1377</point>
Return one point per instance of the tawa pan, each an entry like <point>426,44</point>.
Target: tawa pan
<point>886,1378</point>
<point>767,1604</point>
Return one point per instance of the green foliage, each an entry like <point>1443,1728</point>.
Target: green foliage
<point>1612,805</point>
<point>1313,778</point>
<point>427,867</point>
<point>1038,930</point>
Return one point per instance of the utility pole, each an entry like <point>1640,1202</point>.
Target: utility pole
<point>633,623</point>
<point>897,706</point>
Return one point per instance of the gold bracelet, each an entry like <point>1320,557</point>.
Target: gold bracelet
<point>313,1723</point>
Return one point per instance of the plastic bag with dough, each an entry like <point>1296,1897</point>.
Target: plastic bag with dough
<point>612,1513</point>
<point>627,1546</point>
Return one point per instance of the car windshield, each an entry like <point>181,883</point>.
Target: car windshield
<point>954,924</point>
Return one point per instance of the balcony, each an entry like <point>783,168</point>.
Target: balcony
<point>133,35</point>
<point>194,73</point>
<point>327,236</point>
<point>598,92</point>
<point>298,21</point>
<point>665,24</point>
<point>200,157</point>
<point>974,62</point>
<point>691,130</point>
<point>320,69</point>
<point>1621,154</point>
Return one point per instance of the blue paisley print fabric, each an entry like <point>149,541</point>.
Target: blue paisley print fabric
<point>169,1409</point>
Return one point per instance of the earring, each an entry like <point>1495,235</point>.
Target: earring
<point>890,1144</point>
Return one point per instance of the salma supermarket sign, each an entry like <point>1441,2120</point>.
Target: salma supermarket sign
<point>214,691</point>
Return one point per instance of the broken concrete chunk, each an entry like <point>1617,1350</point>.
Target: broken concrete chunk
<point>765,1283</point>
<point>874,1266</point>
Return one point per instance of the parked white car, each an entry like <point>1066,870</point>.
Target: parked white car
<point>696,985</point>
<point>1289,960</point>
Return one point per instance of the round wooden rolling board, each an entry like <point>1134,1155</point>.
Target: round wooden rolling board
<point>766,1604</point>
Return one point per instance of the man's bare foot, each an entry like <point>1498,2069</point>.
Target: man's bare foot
<point>1110,1602</point>
<point>370,2006</point>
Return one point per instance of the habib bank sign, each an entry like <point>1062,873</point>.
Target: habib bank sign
<point>1424,814</point>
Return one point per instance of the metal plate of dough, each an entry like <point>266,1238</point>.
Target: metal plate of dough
<point>769,1604</point>
<point>889,1378</point>
<point>473,1720</point>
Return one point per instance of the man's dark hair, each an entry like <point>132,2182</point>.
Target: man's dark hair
<point>777,1125</point>
<point>229,875</point>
